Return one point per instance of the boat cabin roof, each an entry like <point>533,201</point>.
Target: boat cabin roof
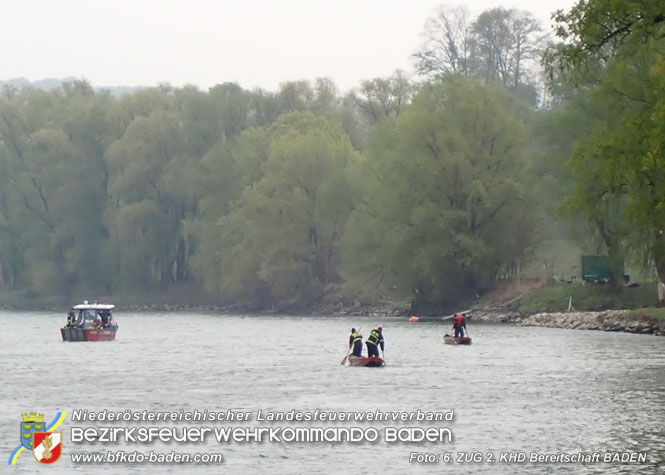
<point>93,306</point>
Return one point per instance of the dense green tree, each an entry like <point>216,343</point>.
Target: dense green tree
<point>281,240</point>
<point>56,185</point>
<point>383,98</point>
<point>444,201</point>
<point>200,123</point>
<point>233,110</point>
<point>613,50</point>
<point>143,218</point>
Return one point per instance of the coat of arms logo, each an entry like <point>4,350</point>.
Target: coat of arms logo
<point>40,438</point>
<point>31,423</point>
<point>47,446</point>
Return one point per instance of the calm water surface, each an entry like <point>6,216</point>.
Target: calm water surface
<point>515,389</point>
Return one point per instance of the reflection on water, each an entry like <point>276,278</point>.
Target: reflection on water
<point>514,389</point>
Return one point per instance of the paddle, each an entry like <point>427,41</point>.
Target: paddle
<point>451,316</point>
<point>347,355</point>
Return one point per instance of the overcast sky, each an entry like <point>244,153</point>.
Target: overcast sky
<point>256,43</point>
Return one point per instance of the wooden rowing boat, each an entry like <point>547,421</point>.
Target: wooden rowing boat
<point>449,340</point>
<point>372,362</point>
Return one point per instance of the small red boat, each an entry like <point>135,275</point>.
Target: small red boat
<point>449,340</point>
<point>91,322</point>
<point>372,361</point>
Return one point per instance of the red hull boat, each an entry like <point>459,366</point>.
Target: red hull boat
<point>449,340</point>
<point>90,334</point>
<point>373,361</point>
<point>90,322</point>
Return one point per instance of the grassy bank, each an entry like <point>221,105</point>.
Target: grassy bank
<point>555,298</point>
<point>655,312</point>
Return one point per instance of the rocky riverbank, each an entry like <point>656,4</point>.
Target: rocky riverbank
<point>609,320</point>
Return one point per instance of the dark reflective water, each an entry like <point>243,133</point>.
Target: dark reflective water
<point>515,389</point>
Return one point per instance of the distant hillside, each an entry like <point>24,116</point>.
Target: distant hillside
<point>53,83</point>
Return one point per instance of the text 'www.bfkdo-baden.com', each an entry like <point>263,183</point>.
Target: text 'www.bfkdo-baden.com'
<point>131,457</point>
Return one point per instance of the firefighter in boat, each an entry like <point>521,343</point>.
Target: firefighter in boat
<point>373,342</point>
<point>104,315</point>
<point>356,341</point>
<point>459,324</point>
<point>105,321</point>
<point>71,319</point>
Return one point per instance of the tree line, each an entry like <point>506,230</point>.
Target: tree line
<point>429,190</point>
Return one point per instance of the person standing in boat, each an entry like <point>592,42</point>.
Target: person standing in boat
<point>374,341</point>
<point>104,315</point>
<point>71,319</point>
<point>356,341</point>
<point>459,324</point>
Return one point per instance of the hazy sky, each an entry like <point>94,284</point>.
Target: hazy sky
<point>256,43</point>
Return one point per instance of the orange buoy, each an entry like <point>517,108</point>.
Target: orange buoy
<point>413,318</point>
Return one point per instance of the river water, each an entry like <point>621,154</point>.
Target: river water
<point>514,392</point>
